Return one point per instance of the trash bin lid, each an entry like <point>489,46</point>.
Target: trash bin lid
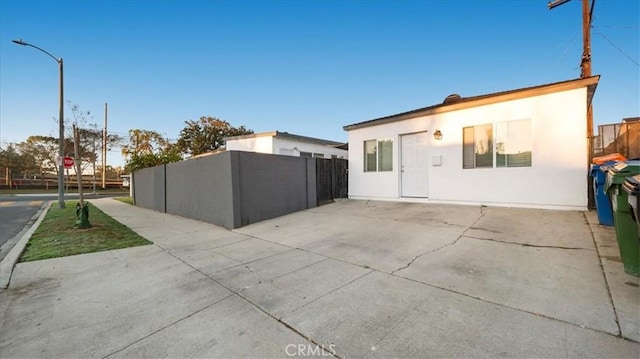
<point>605,167</point>
<point>630,168</point>
<point>608,158</point>
<point>620,171</point>
<point>632,185</point>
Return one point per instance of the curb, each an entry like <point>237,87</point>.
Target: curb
<point>9,262</point>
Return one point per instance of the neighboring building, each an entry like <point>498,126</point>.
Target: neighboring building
<point>523,148</point>
<point>622,137</point>
<point>283,143</point>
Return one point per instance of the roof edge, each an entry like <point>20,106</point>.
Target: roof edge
<point>252,135</point>
<point>278,134</point>
<point>481,100</point>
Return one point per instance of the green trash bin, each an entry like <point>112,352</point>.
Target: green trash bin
<point>632,187</point>
<point>626,229</point>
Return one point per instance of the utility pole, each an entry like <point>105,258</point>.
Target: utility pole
<point>94,165</point>
<point>10,169</point>
<point>585,62</point>
<point>104,150</point>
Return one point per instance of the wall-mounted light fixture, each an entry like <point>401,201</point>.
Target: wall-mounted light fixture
<point>437,135</point>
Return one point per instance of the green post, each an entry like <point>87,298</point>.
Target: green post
<point>82,212</point>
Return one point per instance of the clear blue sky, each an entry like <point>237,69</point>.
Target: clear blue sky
<point>305,67</point>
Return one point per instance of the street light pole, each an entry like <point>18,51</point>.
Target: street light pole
<point>60,122</point>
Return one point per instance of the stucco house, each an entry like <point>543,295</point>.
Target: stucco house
<point>283,143</point>
<point>523,148</point>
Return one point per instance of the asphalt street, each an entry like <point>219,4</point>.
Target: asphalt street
<point>15,216</point>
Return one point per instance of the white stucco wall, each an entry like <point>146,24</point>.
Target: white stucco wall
<point>281,146</point>
<point>556,179</point>
<point>293,148</point>
<point>260,144</point>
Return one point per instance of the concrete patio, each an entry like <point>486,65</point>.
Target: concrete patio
<point>355,278</point>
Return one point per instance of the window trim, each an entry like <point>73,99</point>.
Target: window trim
<point>381,154</point>
<point>491,146</point>
<point>377,155</point>
<point>366,156</point>
<point>530,123</point>
<point>494,144</point>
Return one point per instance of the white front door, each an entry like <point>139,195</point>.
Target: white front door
<point>414,165</point>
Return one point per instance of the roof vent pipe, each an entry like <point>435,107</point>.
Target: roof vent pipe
<point>453,98</point>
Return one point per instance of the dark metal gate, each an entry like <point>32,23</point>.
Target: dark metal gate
<point>331,179</point>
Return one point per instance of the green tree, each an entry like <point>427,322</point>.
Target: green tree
<point>144,142</point>
<point>42,152</point>
<point>13,163</point>
<point>91,139</point>
<point>147,149</point>
<point>207,134</point>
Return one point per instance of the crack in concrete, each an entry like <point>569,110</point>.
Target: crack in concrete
<point>237,293</point>
<point>167,326</point>
<point>582,326</point>
<point>441,247</point>
<point>528,244</point>
<point>428,252</point>
<point>334,290</point>
<point>272,278</point>
<point>254,273</point>
<point>604,275</point>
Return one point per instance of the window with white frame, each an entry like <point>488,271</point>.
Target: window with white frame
<point>378,155</point>
<point>477,146</point>
<point>513,145</point>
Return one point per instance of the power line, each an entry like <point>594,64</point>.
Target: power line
<point>619,49</point>
<point>572,42</point>
<point>616,26</point>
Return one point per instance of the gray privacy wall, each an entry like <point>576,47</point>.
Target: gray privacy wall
<point>230,189</point>
<point>151,182</point>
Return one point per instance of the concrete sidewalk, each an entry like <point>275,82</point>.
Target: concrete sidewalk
<point>355,278</point>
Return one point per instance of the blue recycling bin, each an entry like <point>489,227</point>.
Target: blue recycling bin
<point>603,204</point>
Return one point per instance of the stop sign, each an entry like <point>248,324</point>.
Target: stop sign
<point>67,162</point>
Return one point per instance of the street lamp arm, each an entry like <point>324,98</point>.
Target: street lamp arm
<point>60,122</point>
<point>556,3</point>
<point>23,43</point>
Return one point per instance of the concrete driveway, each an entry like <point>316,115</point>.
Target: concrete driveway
<point>350,279</point>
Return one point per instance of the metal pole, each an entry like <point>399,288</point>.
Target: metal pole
<point>104,150</point>
<point>10,172</point>
<point>94,165</point>
<point>60,121</point>
<point>61,139</point>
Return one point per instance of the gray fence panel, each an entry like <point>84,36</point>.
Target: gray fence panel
<point>230,189</point>
<point>271,186</point>
<point>312,198</point>
<point>149,185</point>
<point>202,189</point>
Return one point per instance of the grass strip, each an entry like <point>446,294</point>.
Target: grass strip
<point>128,200</point>
<point>56,237</point>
